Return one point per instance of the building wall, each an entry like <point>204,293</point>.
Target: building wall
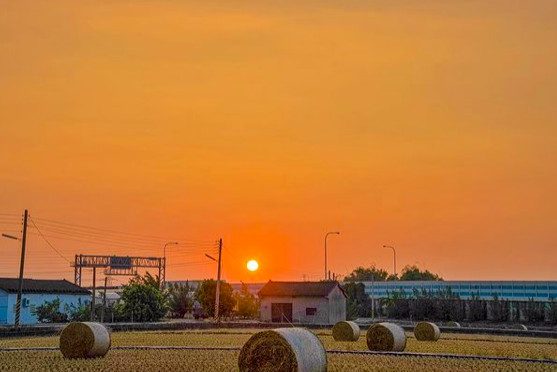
<point>299,305</point>
<point>329,310</point>
<point>8,305</point>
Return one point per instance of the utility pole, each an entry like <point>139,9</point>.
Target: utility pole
<point>104,298</point>
<point>217,295</point>
<point>372,297</point>
<point>21,266</point>
<point>94,294</point>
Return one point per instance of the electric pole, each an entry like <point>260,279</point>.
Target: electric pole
<point>372,297</point>
<point>217,295</point>
<point>21,266</point>
<point>94,294</point>
<point>104,298</point>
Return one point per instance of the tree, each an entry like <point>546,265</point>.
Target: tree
<point>398,305</point>
<point>180,300</point>
<point>552,311</point>
<point>248,305</point>
<point>358,303</point>
<point>80,312</point>
<point>414,273</point>
<point>534,311</point>
<point>142,300</point>
<point>477,308</point>
<point>422,305</point>
<point>206,295</point>
<point>49,312</point>
<point>362,274</point>
<point>148,279</point>
<point>499,309</point>
<point>449,305</point>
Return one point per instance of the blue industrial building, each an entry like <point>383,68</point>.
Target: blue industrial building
<point>36,293</point>
<point>542,291</point>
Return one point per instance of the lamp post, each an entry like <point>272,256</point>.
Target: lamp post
<point>394,257</point>
<point>326,235</point>
<point>164,249</point>
<point>163,279</point>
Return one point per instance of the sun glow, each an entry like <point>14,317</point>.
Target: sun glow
<point>252,265</point>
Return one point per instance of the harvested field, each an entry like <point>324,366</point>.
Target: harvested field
<point>227,360</point>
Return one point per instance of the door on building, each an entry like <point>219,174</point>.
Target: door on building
<point>281,312</point>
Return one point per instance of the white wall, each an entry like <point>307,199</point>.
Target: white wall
<point>299,305</point>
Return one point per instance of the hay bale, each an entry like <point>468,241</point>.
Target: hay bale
<point>84,340</point>
<point>386,337</point>
<point>346,331</point>
<point>426,331</point>
<point>453,324</point>
<point>283,350</point>
<point>520,327</point>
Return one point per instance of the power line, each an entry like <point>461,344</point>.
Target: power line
<point>187,264</point>
<point>112,239</point>
<point>151,237</point>
<point>47,242</point>
<point>111,244</point>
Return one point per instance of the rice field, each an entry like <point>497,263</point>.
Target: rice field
<point>226,360</point>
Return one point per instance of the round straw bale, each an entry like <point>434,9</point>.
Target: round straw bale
<point>346,331</point>
<point>426,331</point>
<point>283,350</point>
<point>453,324</point>
<point>84,340</point>
<point>386,337</point>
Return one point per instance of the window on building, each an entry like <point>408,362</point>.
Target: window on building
<point>311,311</point>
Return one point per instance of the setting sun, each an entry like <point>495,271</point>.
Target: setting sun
<point>252,265</point>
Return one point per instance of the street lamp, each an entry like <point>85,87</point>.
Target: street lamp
<point>326,235</point>
<point>162,277</point>
<point>394,257</point>
<point>164,249</point>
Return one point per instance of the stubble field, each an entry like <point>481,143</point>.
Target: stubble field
<point>123,358</point>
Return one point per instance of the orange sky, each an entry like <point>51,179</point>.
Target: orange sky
<point>429,125</point>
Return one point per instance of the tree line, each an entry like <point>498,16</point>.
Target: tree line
<point>372,273</point>
<point>144,299</point>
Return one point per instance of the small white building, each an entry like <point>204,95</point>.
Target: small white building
<point>302,302</point>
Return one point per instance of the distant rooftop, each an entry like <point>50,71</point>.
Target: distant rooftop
<point>11,285</point>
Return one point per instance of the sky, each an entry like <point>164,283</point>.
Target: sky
<point>427,125</point>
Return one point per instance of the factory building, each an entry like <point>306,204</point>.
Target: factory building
<point>540,291</point>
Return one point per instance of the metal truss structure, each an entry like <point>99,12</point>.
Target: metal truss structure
<point>117,265</point>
